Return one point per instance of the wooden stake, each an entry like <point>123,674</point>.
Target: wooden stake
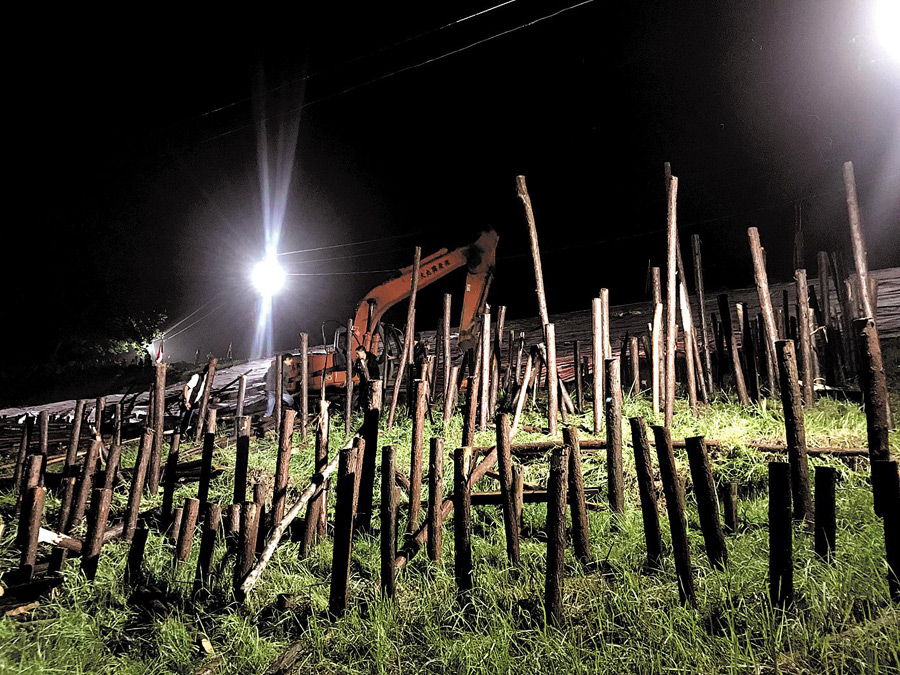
<point>671,301</point>
<point>504,462</point>
<point>804,337</point>
<point>858,241</point>
<point>781,570</point>
<point>647,491</point>
<point>435,498</point>
<point>522,191</point>
<point>369,461</point>
<point>655,360</point>
<point>886,485</point>
<point>409,336</point>
<point>208,380</point>
<point>688,348</point>
<point>580,523</point>
<point>209,447</point>
<point>171,474</point>
<point>579,377</point>
<point>93,540</point>
<point>388,519</point>
<point>462,520</point>
<point>765,302</point>
<point>614,472</point>
<point>704,332</point>
<point>468,435</point>
<point>318,505</point>
<point>211,520</point>
<point>795,429</point>
<point>32,512</point>
<point>135,561</point>
<point>826,521</point>
<point>707,501</point>
<point>557,485</point>
<point>137,484</point>
<point>729,507</point>
<point>552,377</point>
<point>415,466</point>
<point>159,419</point>
<point>304,385</point>
<point>85,483</point>
<point>246,555</point>
<point>596,361</point>
<point>674,492</point>
<point>241,460</point>
<point>186,531</point>
<point>344,513</point>
<point>283,465</point>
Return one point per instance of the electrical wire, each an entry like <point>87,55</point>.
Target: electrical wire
<point>399,71</point>
<point>168,338</point>
<point>356,59</point>
<point>352,243</point>
<point>339,274</point>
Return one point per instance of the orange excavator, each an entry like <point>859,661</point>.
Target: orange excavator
<point>328,361</point>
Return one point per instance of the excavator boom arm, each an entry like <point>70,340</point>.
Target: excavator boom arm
<point>479,257</point>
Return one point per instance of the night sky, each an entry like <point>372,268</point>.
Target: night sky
<point>135,151</point>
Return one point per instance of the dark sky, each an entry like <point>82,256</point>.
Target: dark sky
<point>135,151</point>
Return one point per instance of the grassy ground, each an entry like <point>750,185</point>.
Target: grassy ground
<point>618,618</point>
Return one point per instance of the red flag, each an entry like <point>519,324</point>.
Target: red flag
<point>159,352</point>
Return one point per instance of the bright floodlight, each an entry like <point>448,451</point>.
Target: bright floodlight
<point>268,277</point>
<point>887,23</point>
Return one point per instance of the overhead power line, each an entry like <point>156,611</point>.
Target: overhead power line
<point>399,71</point>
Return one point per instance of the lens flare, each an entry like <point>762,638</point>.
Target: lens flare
<point>268,277</point>
<point>887,23</point>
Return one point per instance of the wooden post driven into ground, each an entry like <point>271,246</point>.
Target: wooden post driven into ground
<point>671,301</point>
<point>614,472</point>
<point>504,463</point>
<point>596,362</point>
<point>873,383</point>
<point>557,487</point>
<point>388,519</point>
<point>283,465</point>
<point>304,384</point>
<point>804,337</point>
<point>704,332</point>
<point>707,501</point>
<point>781,569</point>
<point>765,303</point>
<point>159,418</point>
<point>674,491</point>
<point>409,336</point>
<point>522,191</point>
<point>343,531</point>
<point>580,526</point>
<point>795,429</point>
<point>435,498</point>
<point>858,241</point>
<point>368,461</point>
<point>462,520</point>
<point>647,491</point>
<point>208,380</point>
<point>552,378</point>
<point>826,521</point>
<point>416,455</point>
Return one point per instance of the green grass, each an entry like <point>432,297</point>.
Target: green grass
<point>618,619</point>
